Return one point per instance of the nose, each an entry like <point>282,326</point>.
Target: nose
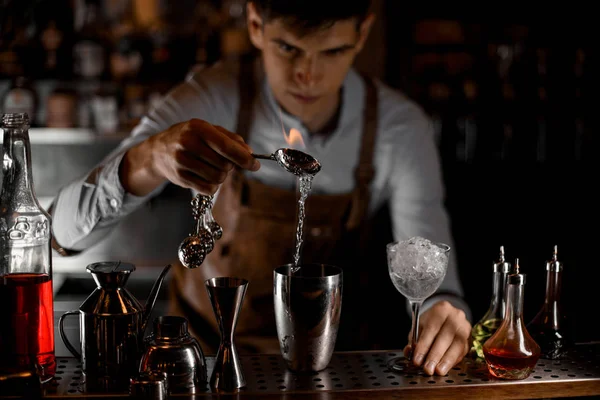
<point>306,72</point>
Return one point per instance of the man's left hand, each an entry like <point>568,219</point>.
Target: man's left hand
<point>444,333</point>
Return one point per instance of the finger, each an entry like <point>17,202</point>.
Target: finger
<point>205,171</point>
<point>454,354</point>
<point>231,135</point>
<point>407,350</point>
<point>192,160</point>
<point>435,354</point>
<point>231,149</point>
<point>192,181</point>
<point>447,336</point>
<point>188,163</point>
<point>429,330</point>
<point>236,137</point>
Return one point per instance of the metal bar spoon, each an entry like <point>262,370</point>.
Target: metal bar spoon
<point>294,161</point>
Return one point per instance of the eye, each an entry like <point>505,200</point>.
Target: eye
<point>335,52</point>
<point>286,48</point>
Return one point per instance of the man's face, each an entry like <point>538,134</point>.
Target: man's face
<point>306,72</point>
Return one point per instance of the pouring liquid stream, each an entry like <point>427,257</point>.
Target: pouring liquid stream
<point>305,184</point>
<point>305,167</point>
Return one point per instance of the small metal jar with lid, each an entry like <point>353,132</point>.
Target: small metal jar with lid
<point>148,386</point>
<point>172,350</point>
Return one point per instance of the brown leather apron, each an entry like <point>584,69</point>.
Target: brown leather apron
<point>259,230</point>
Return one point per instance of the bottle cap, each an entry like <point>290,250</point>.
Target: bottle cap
<point>554,265</point>
<point>501,265</point>
<point>15,120</point>
<point>516,277</point>
<point>149,386</point>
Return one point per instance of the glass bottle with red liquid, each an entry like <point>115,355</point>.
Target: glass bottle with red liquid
<point>511,353</point>
<point>26,299</point>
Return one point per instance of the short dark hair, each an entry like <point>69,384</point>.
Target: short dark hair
<point>310,15</point>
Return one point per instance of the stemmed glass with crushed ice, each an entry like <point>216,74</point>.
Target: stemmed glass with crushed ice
<point>417,267</point>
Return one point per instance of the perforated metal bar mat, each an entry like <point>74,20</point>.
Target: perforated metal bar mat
<point>267,374</point>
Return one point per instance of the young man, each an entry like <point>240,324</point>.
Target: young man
<point>376,147</point>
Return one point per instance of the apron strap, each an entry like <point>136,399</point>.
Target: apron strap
<point>365,171</point>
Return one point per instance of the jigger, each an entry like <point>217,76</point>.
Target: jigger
<point>226,296</point>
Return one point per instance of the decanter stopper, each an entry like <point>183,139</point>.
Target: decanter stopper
<point>516,277</point>
<point>554,265</point>
<point>502,265</point>
<point>197,245</point>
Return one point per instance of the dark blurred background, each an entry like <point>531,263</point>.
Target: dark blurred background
<point>511,94</point>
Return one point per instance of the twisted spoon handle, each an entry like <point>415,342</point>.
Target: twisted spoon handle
<point>264,156</point>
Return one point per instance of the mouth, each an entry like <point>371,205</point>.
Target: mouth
<point>305,99</point>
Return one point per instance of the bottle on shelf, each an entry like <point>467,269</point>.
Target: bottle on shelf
<point>91,47</point>
<point>234,34</point>
<point>105,111</point>
<point>61,108</point>
<point>51,39</point>
<point>54,39</point>
<point>134,105</point>
<point>130,59</point>
<point>27,312</point>
<point>511,353</point>
<point>549,328</point>
<point>207,26</point>
<point>492,319</point>
<point>17,31</point>
<point>21,97</point>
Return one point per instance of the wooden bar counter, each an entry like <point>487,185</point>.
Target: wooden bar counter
<point>365,375</point>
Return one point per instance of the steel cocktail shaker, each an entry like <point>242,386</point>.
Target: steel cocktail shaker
<point>308,304</point>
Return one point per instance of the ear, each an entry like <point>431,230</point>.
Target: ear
<point>255,26</point>
<point>364,29</point>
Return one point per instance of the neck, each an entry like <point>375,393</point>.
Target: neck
<point>326,121</point>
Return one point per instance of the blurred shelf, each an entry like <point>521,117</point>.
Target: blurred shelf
<point>72,136</point>
<point>75,265</point>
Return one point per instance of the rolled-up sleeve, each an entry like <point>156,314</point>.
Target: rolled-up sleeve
<point>85,210</point>
<point>417,197</point>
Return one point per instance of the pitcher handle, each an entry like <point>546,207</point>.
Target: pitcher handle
<point>63,336</point>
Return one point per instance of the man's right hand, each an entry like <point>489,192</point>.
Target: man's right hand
<point>192,154</point>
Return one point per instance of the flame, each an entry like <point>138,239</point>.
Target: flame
<point>294,138</point>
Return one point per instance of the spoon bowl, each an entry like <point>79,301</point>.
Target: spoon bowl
<point>294,161</point>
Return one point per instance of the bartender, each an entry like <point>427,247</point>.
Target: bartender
<point>376,148</point>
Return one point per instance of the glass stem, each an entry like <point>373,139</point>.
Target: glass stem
<point>416,311</point>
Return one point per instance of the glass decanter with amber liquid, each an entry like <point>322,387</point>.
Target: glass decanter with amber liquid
<point>492,319</point>
<point>26,297</point>
<point>549,327</point>
<point>511,353</point>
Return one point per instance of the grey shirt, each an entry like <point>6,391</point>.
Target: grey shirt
<point>406,161</point>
